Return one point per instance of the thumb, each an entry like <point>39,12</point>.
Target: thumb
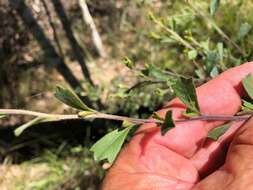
<point>237,172</point>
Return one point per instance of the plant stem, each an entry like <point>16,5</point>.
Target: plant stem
<point>122,118</point>
<point>37,114</point>
<point>76,116</point>
<point>217,118</point>
<point>174,35</point>
<point>98,115</point>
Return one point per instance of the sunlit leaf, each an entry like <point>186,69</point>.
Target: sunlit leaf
<point>192,54</point>
<point>218,131</point>
<point>168,123</point>
<point>23,127</point>
<point>128,63</point>
<point>85,114</point>
<point>243,31</point>
<point>248,85</point>
<point>127,123</point>
<point>2,116</point>
<point>188,113</point>
<point>70,98</point>
<point>247,106</point>
<point>184,89</point>
<point>214,4</point>
<point>156,116</point>
<point>109,146</point>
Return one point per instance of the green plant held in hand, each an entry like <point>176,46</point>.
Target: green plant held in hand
<point>108,147</point>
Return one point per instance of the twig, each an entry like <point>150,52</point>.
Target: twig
<point>37,114</point>
<point>99,115</point>
<point>122,118</point>
<point>173,33</point>
<point>217,118</point>
<point>95,115</point>
<point>89,21</point>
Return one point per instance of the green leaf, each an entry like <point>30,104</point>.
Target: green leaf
<point>220,51</point>
<point>151,16</point>
<point>214,4</point>
<point>218,131</point>
<point>214,72</point>
<point>243,31</point>
<point>187,113</point>
<point>70,98</point>
<point>156,116</point>
<point>154,72</point>
<point>128,63</point>
<point>248,85</point>
<point>2,116</point>
<point>212,57</point>
<point>127,123</point>
<point>192,54</point>
<point>247,106</point>
<point>109,146</point>
<point>184,89</point>
<point>23,127</point>
<point>168,123</point>
<point>85,114</point>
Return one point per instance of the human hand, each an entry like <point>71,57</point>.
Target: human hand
<point>184,158</point>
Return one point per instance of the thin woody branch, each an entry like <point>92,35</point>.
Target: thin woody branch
<point>137,121</point>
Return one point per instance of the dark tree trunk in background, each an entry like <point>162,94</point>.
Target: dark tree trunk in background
<point>76,49</point>
<point>48,49</point>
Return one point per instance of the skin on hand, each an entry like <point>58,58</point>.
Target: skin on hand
<point>184,158</point>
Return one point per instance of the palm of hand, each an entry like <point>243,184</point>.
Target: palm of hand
<point>180,159</point>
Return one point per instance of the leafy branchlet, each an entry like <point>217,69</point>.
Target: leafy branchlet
<point>108,147</point>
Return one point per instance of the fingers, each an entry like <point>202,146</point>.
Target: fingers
<point>220,96</point>
<point>240,154</point>
<point>152,171</point>
<point>213,153</point>
<point>149,154</point>
<point>236,173</point>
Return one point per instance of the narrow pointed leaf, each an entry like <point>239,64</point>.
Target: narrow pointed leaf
<point>23,127</point>
<point>184,89</point>
<point>2,116</point>
<point>218,131</point>
<point>187,113</point>
<point>168,123</point>
<point>248,85</point>
<point>247,106</point>
<point>109,146</point>
<point>214,6</point>
<point>130,64</point>
<point>158,117</point>
<point>70,98</point>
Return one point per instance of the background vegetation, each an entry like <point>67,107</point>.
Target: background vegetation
<point>44,43</point>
